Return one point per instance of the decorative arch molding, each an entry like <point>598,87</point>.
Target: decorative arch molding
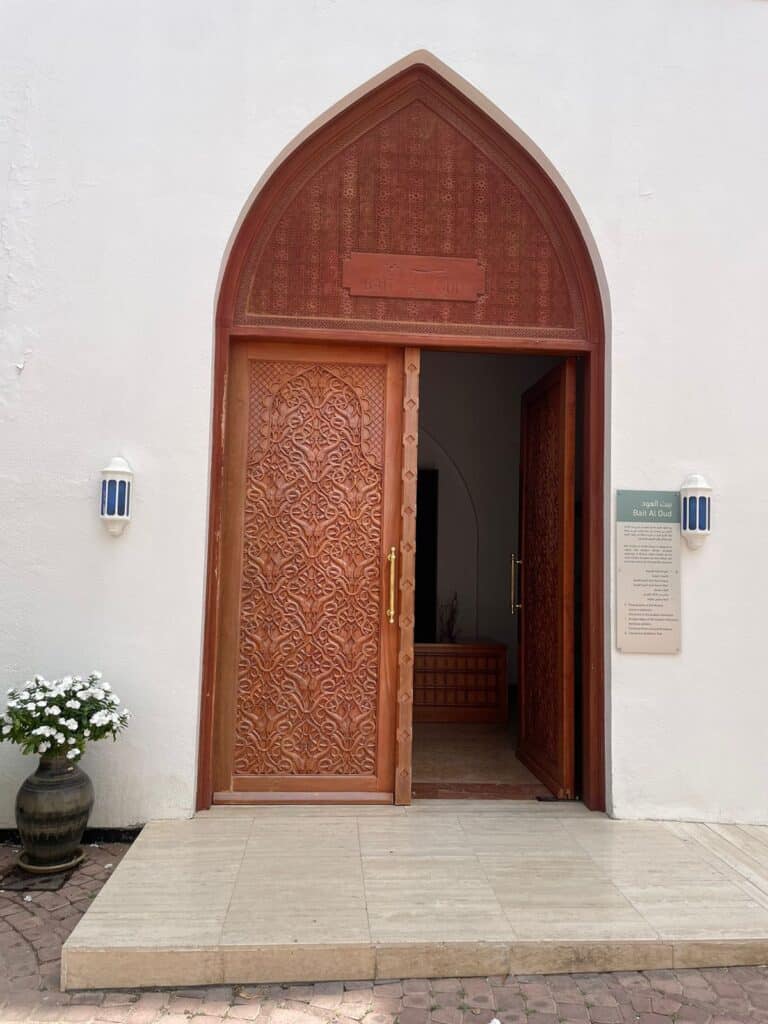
<point>511,267</point>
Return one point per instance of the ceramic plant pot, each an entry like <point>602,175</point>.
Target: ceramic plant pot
<point>52,810</point>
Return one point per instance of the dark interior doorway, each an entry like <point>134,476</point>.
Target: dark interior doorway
<point>467,628</point>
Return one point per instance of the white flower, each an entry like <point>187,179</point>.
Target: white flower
<point>72,704</point>
<point>41,703</point>
<point>60,737</point>
<point>71,740</point>
<point>95,675</point>
<point>6,730</point>
<point>97,692</point>
<point>30,707</point>
<point>73,753</point>
<point>106,686</point>
<point>87,733</point>
<point>43,747</point>
<point>71,724</point>
<point>54,709</point>
<point>67,680</point>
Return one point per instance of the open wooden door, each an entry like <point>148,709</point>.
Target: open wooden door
<point>546,656</point>
<point>307,661</point>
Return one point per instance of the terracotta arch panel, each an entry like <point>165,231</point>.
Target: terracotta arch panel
<point>413,169</point>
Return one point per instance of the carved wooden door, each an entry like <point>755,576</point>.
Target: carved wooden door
<point>546,655</point>
<point>305,697</point>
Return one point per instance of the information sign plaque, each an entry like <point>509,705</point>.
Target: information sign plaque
<point>648,572</point>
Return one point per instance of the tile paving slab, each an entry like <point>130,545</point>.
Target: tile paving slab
<point>437,889</point>
<point>28,985</point>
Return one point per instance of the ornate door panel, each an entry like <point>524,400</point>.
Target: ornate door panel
<point>306,675</point>
<point>547,460</point>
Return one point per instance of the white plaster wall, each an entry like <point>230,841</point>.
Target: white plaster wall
<point>131,134</point>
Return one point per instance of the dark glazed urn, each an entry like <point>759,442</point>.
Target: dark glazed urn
<point>52,809</point>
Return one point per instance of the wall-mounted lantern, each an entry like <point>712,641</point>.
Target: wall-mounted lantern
<point>695,509</point>
<point>116,497</point>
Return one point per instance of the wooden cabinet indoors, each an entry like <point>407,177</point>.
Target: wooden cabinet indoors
<point>462,682</point>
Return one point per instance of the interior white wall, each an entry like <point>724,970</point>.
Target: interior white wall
<point>469,430</point>
<point>131,134</point>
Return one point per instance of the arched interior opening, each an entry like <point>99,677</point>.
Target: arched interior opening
<point>408,222</point>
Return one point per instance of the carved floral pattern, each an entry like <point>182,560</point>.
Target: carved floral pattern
<point>308,665</point>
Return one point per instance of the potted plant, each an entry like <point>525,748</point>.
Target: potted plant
<point>56,719</point>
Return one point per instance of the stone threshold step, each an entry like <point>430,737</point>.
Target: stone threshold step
<point>87,967</point>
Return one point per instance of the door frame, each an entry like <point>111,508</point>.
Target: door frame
<point>591,351</point>
<point>490,132</point>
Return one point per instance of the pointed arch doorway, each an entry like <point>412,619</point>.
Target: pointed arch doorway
<point>410,220</point>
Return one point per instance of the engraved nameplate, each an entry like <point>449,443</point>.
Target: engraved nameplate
<point>389,276</point>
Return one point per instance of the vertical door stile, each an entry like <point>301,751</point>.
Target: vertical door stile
<point>410,456</point>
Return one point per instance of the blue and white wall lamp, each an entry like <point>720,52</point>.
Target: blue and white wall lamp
<point>116,495</point>
<point>695,509</point>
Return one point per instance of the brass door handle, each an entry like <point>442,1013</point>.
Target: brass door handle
<point>514,604</point>
<point>392,559</point>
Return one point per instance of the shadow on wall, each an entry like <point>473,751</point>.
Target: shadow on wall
<point>459,536</point>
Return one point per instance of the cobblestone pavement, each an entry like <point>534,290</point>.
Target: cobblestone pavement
<point>34,925</point>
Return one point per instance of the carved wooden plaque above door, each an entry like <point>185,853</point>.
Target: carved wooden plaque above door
<point>546,654</point>
<point>308,659</point>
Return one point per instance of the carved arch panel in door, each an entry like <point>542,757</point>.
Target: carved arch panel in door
<point>412,218</point>
<point>413,169</point>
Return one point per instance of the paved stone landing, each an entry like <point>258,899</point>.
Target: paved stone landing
<point>291,894</point>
